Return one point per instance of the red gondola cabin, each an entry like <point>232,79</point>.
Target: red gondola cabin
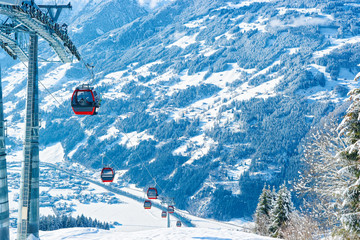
<point>171,209</point>
<point>152,193</point>
<point>147,204</point>
<point>107,174</point>
<point>163,214</point>
<point>85,100</point>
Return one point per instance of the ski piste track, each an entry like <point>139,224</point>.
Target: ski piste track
<point>185,221</point>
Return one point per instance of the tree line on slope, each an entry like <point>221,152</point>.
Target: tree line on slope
<point>50,223</point>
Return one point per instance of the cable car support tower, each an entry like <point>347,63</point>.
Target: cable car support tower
<point>167,201</point>
<point>28,19</point>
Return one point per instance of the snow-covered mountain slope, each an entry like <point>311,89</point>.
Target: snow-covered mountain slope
<point>213,97</point>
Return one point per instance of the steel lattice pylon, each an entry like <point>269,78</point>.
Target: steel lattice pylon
<point>28,222</point>
<point>4,203</point>
<point>35,23</point>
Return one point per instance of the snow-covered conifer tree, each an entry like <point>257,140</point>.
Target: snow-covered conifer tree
<point>350,207</point>
<point>281,211</point>
<point>262,214</point>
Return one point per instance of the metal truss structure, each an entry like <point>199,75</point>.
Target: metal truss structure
<point>28,19</point>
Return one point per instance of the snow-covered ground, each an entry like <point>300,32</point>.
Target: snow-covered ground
<point>158,234</point>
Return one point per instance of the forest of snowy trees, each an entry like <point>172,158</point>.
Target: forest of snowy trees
<point>50,223</point>
<point>328,185</point>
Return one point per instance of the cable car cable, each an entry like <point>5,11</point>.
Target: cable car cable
<point>143,164</point>
<point>51,94</point>
<point>49,61</point>
<point>90,69</point>
<point>88,66</point>
<point>156,184</point>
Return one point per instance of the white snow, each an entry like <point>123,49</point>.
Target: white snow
<point>238,169</point>
<point>111,132</point>
<point>19,74</point>
<point>144,70</point>
<point>326,93</point>
<point>133,139</point>
<point>353,4</point>
<point>227,35</point>
<point>52,154</point>
<point>99,31</point>
<point>345,74</point>
<point>130,213</point>
<point>45,211</point>
<point>156,234</point>
<point>131,188</point>
<point>264,90</point>
<point>55,76</point>
<point>357,77</point>
<point>196,147</point>
<point>259,24</point>
<point>208,51</point>
<point>300,21</point>
<point>336,43</point>
<point>195,23</point>
<point>72,152</point>
<point>16,130</point>
<point>14,156</point>
<point>283,10</point>
<point>294,50</point>
<point>244,3</point>
<point>183,40</point>
<point>53,100</point>
<point>9,106</point>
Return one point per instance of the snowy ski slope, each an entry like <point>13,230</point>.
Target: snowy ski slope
<point>158,234</point>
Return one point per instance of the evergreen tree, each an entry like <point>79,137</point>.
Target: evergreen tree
<point>63,221</point>
<point>262,214</point>
<point>273,195</point>
<point>107,227</point>
<point>78,222</point>
<point>42,223</point>
<point>280,213</point>
<point>52,223</point>
<point>350,197</point>
<point>71,222</point>
<point>83,221</point>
